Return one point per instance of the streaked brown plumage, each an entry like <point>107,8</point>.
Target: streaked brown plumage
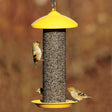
<point>77,95</point>
<point>36,51</point>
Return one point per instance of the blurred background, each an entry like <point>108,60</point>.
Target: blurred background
<point>89,53</point>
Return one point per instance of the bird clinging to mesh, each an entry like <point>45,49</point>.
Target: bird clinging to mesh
<point>36,51</point>
<point>40,91</point>
<point>77,95</point>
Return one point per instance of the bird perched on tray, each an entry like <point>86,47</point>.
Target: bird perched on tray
<point>77,95</point>
<point>40,91</point>
<point>36,51</point>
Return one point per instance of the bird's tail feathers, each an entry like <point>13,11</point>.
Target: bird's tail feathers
<point>35,65</point>
<point>88,97</point>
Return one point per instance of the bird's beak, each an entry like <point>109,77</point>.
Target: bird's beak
<point>37,90</point>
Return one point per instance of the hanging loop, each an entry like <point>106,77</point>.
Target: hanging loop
<point>54,4</point>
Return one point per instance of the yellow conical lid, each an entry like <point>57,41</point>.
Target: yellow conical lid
<point>54,20</point>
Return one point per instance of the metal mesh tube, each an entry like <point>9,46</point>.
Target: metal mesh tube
<point>54,65</point>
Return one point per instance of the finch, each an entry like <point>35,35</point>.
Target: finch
<point>36,51</point>
<point>77,95</point>
<point>40,91</point>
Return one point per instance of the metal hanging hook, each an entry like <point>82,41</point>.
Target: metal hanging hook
<point>54,4</point>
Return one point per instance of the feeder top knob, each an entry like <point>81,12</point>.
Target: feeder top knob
<point>54,4</point>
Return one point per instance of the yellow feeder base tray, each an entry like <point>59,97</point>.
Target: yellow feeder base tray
<point>66,104</point>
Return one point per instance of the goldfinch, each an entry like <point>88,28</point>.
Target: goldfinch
<point>40,91</point>
<point>77,95</point>
<point>36,51</point>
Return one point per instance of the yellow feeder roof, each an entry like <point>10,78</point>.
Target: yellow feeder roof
<point>54,20</point>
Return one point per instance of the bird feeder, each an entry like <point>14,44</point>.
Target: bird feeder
<point>54,27</point>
